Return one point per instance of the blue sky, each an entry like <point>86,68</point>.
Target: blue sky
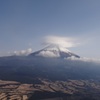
<point>24,23</point>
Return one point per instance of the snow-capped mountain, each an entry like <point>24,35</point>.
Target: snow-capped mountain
<point>54,51</point>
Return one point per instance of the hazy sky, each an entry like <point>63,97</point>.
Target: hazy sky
<point>24,23</point>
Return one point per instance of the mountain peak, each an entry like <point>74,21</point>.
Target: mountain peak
<point>56,48</point>
<point>54,51</point>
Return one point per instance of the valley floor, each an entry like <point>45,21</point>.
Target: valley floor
<point>50,90</point>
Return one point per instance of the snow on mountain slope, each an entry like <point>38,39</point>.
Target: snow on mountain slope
<point>54,51</point>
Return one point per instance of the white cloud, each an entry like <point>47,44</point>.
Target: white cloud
<point>23,52</point>
<point>18,53</point>
<point>61,41</point>
<point>48,54</point>
<point>84,59</point>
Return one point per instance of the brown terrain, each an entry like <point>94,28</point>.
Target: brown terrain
<point>50,90</point>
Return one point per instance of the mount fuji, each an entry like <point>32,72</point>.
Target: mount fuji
<point>51,62</point>
<point>54,51</point>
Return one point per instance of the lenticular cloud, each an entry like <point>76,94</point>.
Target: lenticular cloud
<point>61,41</point>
